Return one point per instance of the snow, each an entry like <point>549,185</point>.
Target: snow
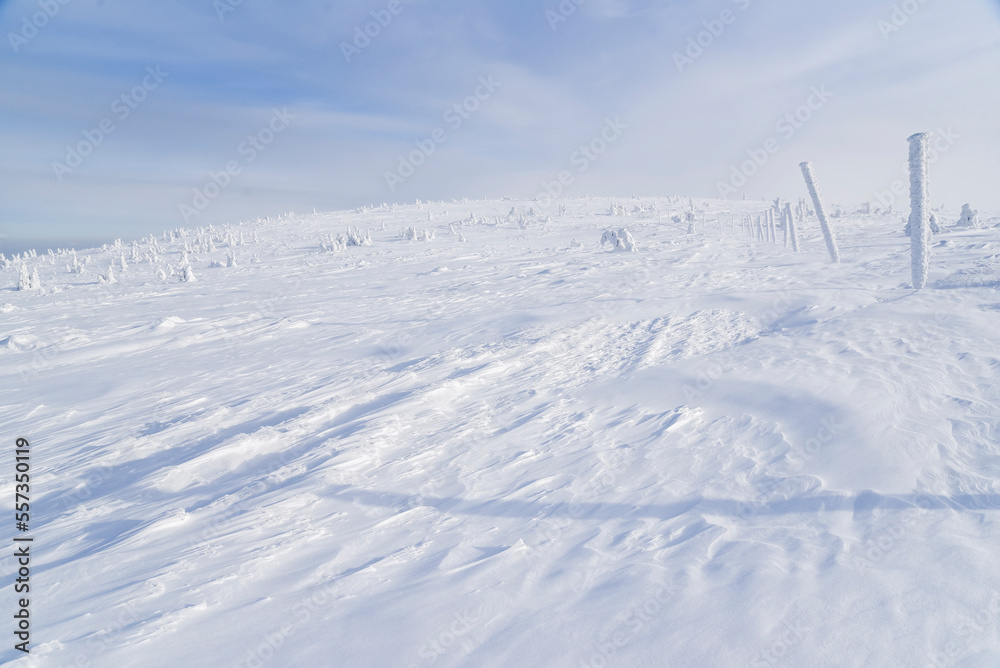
<point>712,451</point>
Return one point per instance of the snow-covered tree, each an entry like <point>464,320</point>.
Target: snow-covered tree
<point>109,277</point>
<point>355,237</point>
<point>24,278</point>
<point>329,243</point>
<point>969,217</point>
<point>620,240</point>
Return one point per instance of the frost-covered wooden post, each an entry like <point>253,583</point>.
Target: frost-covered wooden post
<point>790,222</point>
<point>774,230</point>
<point>920,229</point>
<point>824,223</point>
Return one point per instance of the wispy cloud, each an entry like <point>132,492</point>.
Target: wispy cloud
<point>353,119</point>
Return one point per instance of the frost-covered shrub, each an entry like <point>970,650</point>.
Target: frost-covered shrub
<point>330,243</point>
<point>187,276</point>
<point>355,237</point>
<point>413,234</point>
<point>109,277</point>
<point>969,217</point>
<point>24,278</point>
<point>74,267</point>
<point>620,240</point>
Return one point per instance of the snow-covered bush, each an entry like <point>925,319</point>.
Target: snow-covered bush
<point>413,234</point>
<point>355,237</point>
<point>109,277</point>
<point>187,276</point>
<point>969,217</point>
<point>74,267</point>
<point>24,278</point>
<point>620,240</point>
<point>328,243</point>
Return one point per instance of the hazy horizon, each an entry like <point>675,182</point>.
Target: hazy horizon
<point>193,113</point>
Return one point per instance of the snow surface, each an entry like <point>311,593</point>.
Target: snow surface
<point>506,447</point>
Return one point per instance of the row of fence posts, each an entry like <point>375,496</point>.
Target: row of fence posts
<point>763,226</point>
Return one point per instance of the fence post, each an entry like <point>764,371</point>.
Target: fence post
<point>920,229</point>
<point>824,223</point>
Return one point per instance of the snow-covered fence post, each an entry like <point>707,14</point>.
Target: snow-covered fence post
<point>920,229</point>
<point>790,222</point>
<point>824,223</point>
<point>774,231</point>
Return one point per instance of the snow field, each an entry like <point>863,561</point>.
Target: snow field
<point>494,446</point>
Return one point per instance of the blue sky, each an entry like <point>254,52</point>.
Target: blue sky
<point>560,74</point>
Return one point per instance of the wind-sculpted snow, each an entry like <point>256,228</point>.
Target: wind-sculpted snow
<point>495,443</point>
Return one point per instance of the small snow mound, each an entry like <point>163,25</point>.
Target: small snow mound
<point>8,308</point>
<point>974,278</point>
<point>16,342</point>
<point>620,240</point>
<point>167,324</point>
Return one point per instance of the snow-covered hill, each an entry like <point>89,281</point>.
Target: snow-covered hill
<point>487,440</point>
